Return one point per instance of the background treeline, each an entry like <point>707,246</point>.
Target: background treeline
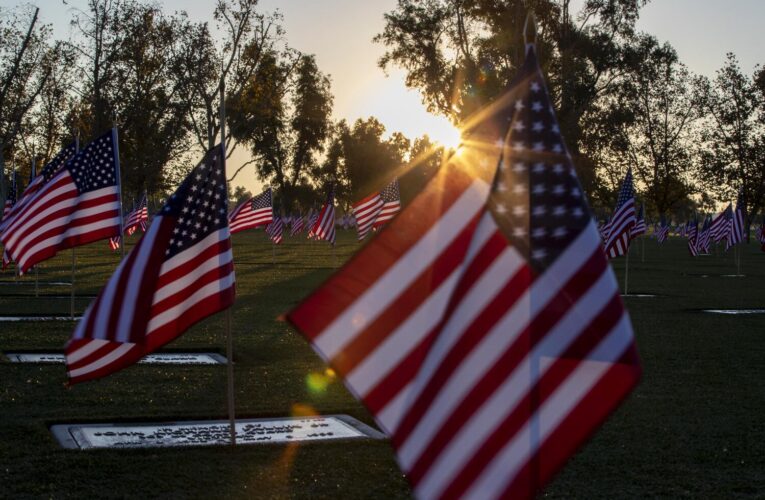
<point>623,98</point>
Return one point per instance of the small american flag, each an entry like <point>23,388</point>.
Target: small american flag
<point>313,216</point>
<point>721,224</point>
<point>736,228</point>
<point>391,199</point>
<point>324,227</point>
<point>115,242</point>
<point>623,219</point>
<point>137,218</point>
<point>483,327</point>
<point>275,230</point>
<point>180,272</point>
<point>298,223</point>
<point>761,238</point>
<point>704,239</point>
<point>78,205</point>
<point>366,212</point>
<point>692,232</point>
<point>663,230</point>
<point>38,181</point>
<point>640,227</point>
<point>255,212</point>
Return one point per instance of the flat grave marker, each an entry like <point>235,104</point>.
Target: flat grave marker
<point>185,358</point>
<point>734,311</point>
<point>212,432</point>
<point>38,318</point>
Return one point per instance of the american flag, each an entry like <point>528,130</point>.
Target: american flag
<point>180,272</point>
<point>324,227</point>
<point>275,230</point>
<point>138,217</point>
<point>313,216</point>
<point>736,228</point>
<point>10,201</point>
<point>115,242</point>
<point>639,228</point>
<point>391,199</point>
<point>483,327</point>
<point>692,232</point>
<point>721,224</point>
<point>257,211</point>
<point>298,223</point>
<point>761,238</point>
<point>366,212</point>
<point>702,245</point>
<point>663,231</point>
<point>622,220</point>
<point>78,205</point>
<point>604,229</point>
<point>37,181</point>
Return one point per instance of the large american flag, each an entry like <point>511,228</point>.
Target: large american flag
<point>483,327</point>
<point>10,202</point>
<point>257,211</point>
<point>736,227</point>
<point>639,228</point>
<point>721,224</point>
<point>622,220</point>
<point>180,272</point>
<point>78,205</point>
<point>324,226</point>
<point>275,230</point>
<point>366,212</point>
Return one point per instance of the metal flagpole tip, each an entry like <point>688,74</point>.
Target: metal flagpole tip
<point>530,29</point>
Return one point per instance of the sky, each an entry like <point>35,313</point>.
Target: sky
<point>340,32</point>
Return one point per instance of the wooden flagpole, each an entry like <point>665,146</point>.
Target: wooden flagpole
<point>37,274</point>
<point>627,270</point>
<point>115,136</point>
<point>229,337</point>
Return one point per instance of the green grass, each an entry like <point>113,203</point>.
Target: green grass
<point>692,428</point>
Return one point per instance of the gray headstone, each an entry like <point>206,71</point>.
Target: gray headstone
<point>202,358</point>
<point>208,433</point>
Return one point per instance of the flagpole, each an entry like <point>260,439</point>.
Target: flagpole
<point>229,337</point>
<point>627,270</point>
<point>37,274</point>
<point>74,260</point>
<point>642,248</point>
<point>116,137</point>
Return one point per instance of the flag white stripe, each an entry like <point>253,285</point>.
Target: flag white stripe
<point>102,361</point>
<point>86,350</point>
<point>398,277</point>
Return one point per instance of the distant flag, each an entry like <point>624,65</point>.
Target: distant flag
<point>275,230</point>
<point>137,217</point>
<point>10,201</point>
<point>704,238</point>
<point>298,223</point>
<point>639,228</point>
<point>736,228</point>
<point>691,232</point>
<point>324,227</point>
<point>721,224</point>
<point>604,229</point>
<point>761,238</point>
<point>180,272</point>
<point>622,220</point>
<point>255,212</point>
<point>391,198</point>
<point>115,242</point>
<point>78,205</point>
<point>485,335</point>
<point>663,231</point>
<point>366,212</point>
<point>313,216</point>
<point>38,181</point>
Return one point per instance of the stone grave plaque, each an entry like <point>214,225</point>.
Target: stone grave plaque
<point>213,432</point>
<point>38,318</point>
<point>182,358</point>
<point>734,311</point>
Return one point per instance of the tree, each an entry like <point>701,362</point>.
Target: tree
<point>733,147</point>
<point>461,53</point>
<point>283,116</point>
<point>425,158</point>
<point>649,125</point>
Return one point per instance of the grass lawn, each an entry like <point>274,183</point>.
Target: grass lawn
<point>695,426</point>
